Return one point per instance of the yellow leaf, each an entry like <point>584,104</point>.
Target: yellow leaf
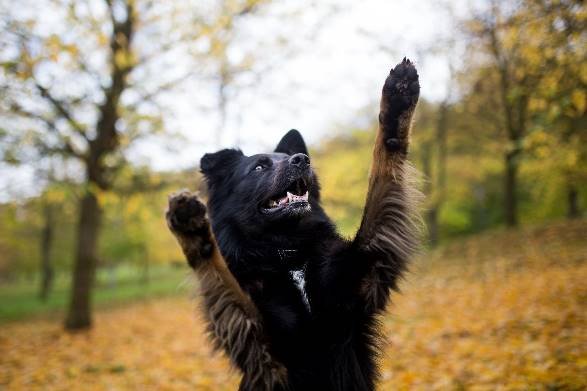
<point>578,99</point>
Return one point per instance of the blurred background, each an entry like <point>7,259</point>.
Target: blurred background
<point>107,105</point>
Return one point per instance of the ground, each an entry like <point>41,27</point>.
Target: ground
<point>500,312</point>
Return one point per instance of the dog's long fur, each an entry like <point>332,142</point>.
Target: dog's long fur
<point>234,324</point>
<point>327,336</point>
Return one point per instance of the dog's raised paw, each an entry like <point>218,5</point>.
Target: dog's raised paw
<point>399,98</point>
<point>402,86</point>
<point>186,214</point>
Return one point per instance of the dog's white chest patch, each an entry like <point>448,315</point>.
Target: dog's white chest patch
<point>299,278</point>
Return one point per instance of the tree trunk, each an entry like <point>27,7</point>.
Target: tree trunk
<point>47,272</point>
<point>573,211</point>
<point>431,214</point>
<point>432,222</point>
<point>442,155</point>
<point>105,142</point>
<point>511,184</point>
<point>80,315</point>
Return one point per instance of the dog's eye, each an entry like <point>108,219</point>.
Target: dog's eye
<point>259,168</point>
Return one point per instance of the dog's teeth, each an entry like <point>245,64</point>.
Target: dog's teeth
<point>296,198</point>
<point>284,200</point>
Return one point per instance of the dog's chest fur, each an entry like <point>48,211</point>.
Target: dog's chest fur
<point>299,279</point>
<point>297,275</point>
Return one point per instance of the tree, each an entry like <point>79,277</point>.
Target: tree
<point>533,51</point>
<point>46,244</point>
<point>436,184</point>
<point>562,96</point>
<point>426,149</point>
<point>84,85</point>
<point>494,31</point>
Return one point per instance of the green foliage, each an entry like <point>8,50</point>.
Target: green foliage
<point>473,198</point>
<point>134,231</point>
<point>524,86</point>
<point>343,165</point>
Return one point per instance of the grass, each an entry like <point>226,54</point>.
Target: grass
<point>19,300</point>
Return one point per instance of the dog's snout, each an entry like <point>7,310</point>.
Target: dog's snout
<point>299,160</point>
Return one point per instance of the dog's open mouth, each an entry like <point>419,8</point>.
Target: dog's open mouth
<point>295,195</point>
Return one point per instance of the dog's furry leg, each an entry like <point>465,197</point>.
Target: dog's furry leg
<point>233,320</point>
<point>389,235</point>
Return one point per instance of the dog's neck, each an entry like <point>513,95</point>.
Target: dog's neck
<point>289,256</point>
<point>285,253</point>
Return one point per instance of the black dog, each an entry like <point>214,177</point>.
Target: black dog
<point>297,307</point>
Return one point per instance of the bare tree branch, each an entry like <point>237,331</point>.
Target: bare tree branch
<point>67,147</point>
<point>150,95</point>
<point>62,110</point>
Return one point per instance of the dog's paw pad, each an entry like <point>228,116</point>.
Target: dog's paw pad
<point>186,213</point>
<point>402,87</point>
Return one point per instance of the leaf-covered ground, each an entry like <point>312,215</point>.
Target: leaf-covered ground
<point>502,312</point>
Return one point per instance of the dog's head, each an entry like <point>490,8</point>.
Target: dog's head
<point>265,189</point>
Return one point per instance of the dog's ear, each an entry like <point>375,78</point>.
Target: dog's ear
<point>292,143</point>
<point>219,163</point>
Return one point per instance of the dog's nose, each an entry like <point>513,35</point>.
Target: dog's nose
<point>299,160</point>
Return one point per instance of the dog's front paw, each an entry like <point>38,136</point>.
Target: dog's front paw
<point>398,101</point>
<point>186,214</point>
<point>186,218</point>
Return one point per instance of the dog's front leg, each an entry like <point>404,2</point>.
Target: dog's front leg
<point>233,320</point>
<point>388,235</point>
